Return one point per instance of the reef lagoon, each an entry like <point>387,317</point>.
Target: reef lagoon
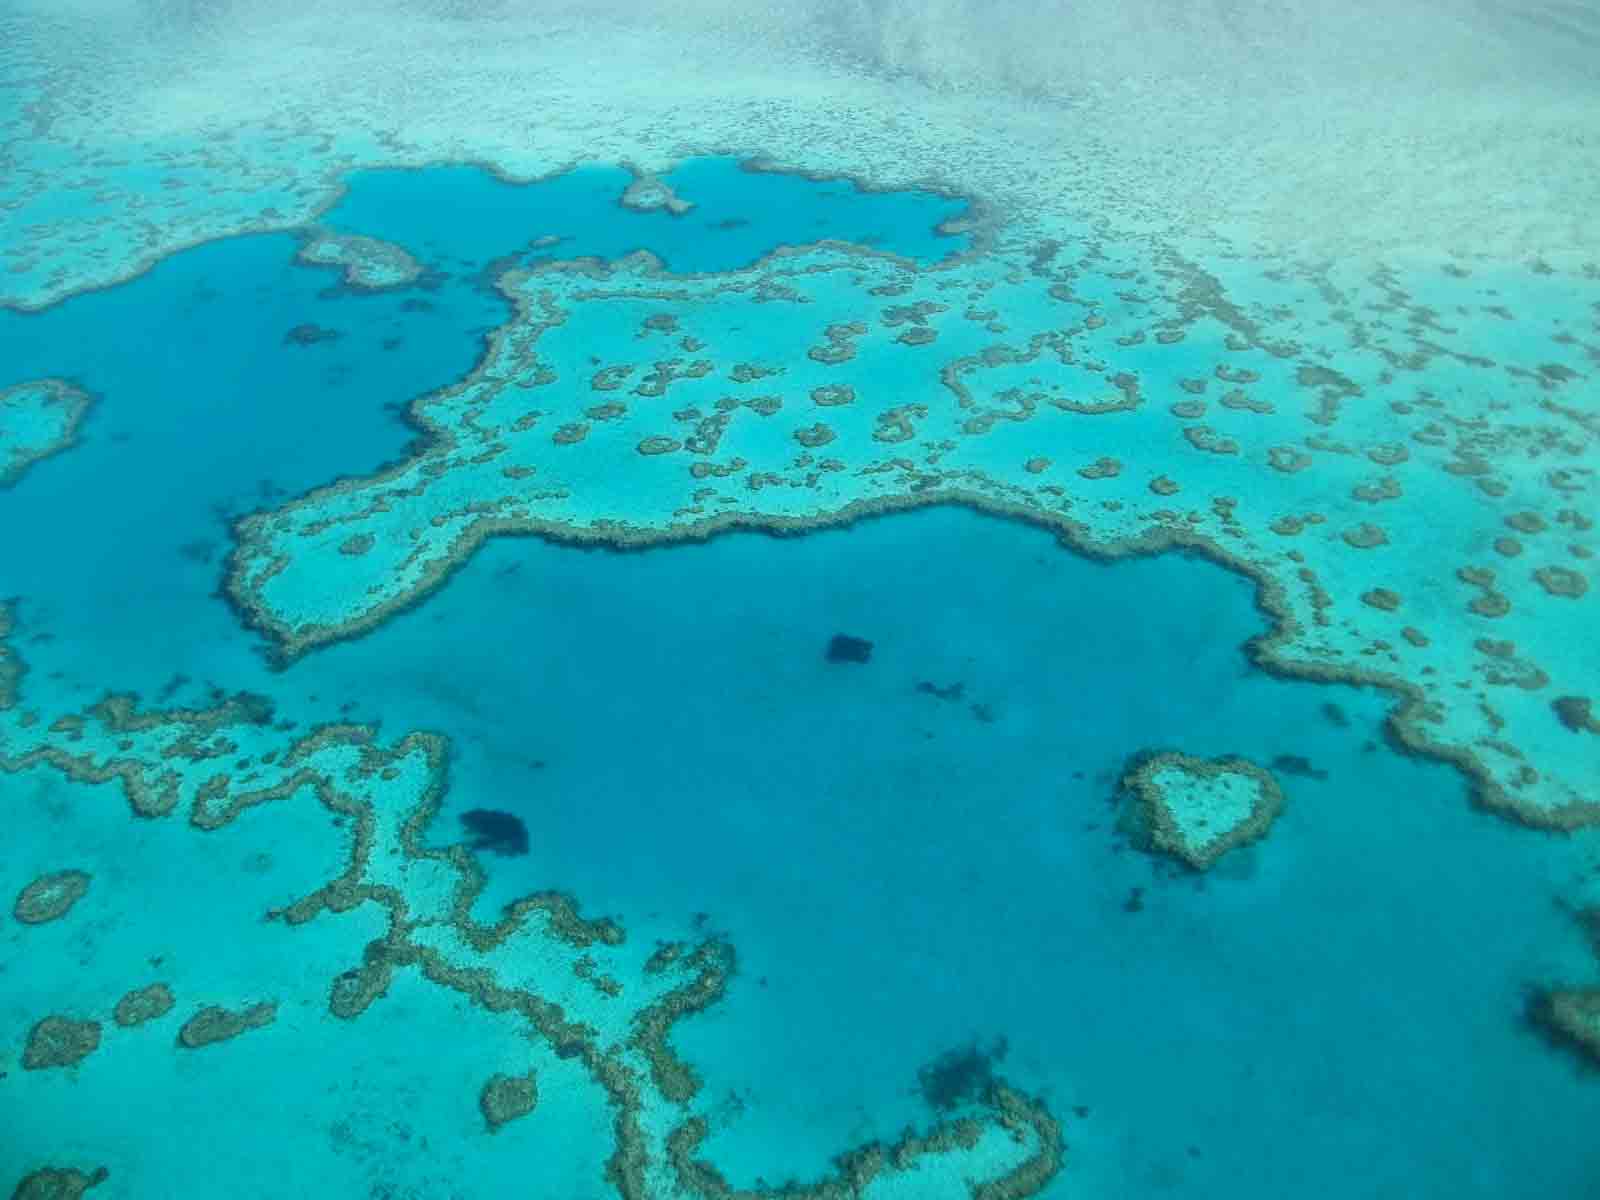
<point>737,678</point>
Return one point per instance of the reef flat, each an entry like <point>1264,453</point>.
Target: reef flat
<point>1407,524</point>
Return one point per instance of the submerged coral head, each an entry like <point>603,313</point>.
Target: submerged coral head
<point>844,648</point>
<point>495,831</point>
<point>963,1075</point>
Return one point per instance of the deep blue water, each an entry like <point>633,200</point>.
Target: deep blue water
<point>1332,1013</point>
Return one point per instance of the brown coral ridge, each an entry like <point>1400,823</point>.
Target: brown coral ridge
<point>1561,581</point>
<point>143,1004</point>
<point>58,1183</point>
<point>1576,713</point>
<point>13,465</point>
<point>506,1098</point>
<point>310,334</point>
<point>1569,1018</point>
<point>353,992</point>
<point>11,667</point>
<point>855,1171</point>
<point>60,1042</point>
<point>710,967</point>
<point>215,1024</point>
<point>154,790</point>
<point>713,964</point>
<point>1151,825</point>
<point>50,897</point>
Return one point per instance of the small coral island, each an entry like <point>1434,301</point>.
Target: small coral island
<point>369,264</point>
<point>37,419</point>
<point>1571,1016</point>
<point>1198,809</point>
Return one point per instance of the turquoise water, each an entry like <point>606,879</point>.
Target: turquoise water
<point>1334,1011</point>
<point>740,216</point>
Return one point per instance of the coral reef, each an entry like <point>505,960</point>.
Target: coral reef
<point>50,897</point>
<point>37,419</point>
<point>165,762</point>
<point>1199,809</point>
<point>59,1041</point>
<point>506,1097</point>
<point>214,1024</point>
<point>143,1004</point>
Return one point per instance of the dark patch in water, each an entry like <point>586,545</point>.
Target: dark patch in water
<point>844,648</point>
<point>1297,764</point>
<point>309,335</point>
<point>961,1075</point>
<point>495,831</point>
<point>1576,713</point>
<point>1589,921</point>
<point>1336,715</point>
<point>949,692</point>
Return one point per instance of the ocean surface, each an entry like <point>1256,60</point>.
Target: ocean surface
<point>925,862</point>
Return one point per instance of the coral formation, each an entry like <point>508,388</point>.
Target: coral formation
<point>50,897</point>
<point>60,1042</point>
<point>1198,809</point>
<point>976,424</point>
<point>143,1004</point>
<point>960,1075</point>
<point>506,1097</point>
<point>369,264</point>
<point>37,419</point>
<point>1007,1143</point>
<point>846,649</point>
<point>1572,1017</point>
<point>58,1183</point>
<point>214,1024</point>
